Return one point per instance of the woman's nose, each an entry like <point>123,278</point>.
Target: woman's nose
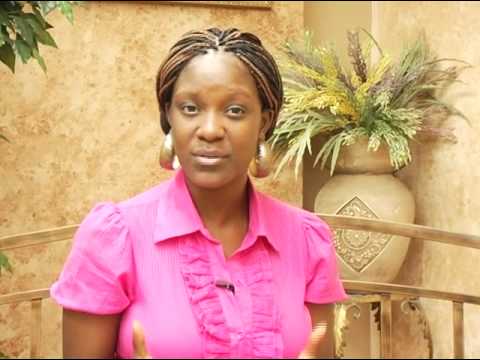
<point>211,127</point>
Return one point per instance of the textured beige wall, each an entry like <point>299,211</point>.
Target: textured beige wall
<point>330,20</point>
<point>88,130</point>
<point>444,176</point>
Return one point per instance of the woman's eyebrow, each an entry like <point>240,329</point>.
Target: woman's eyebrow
<point>228,93</point>
<point>185,93</point>
<point>243,92</point>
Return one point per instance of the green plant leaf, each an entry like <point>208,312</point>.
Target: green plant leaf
<point>29,17</point>
<point>4,35</point>
<point>325,151</point>
<point>38,15</point>
<point>4,20</point>
<point>4,263</point>
<point>39,59</point>
<point>7,56</point>
<point>66,9</point>
<point>45,38</point>
<point>336,151</point>
<point>23,49</point>
<point>12,6</point>
<point>24,29</point>
<point>34,4</point>
<point>47,6</point>
<point>372,39</point>
<point>37,26</point>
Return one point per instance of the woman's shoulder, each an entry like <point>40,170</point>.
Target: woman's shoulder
<point>280,208</point>
<point>145,198</point>
<point>108,219</point>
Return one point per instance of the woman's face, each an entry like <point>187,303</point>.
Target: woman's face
<point>216,119</point>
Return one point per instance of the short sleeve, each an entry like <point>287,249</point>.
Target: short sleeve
<point>96,277</point>
<point>323,284</point>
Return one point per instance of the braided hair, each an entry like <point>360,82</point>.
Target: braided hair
<point>246,46</point>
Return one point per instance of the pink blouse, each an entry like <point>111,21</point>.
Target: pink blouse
<point>151,259</point>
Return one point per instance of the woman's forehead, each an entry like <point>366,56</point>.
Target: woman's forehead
<point>216,69</point>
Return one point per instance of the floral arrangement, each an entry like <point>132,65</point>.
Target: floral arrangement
<point>385,100</point>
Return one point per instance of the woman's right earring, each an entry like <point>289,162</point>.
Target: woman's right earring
<point>168,160</point>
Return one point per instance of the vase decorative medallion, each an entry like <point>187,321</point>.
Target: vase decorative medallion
<point>364,186</point>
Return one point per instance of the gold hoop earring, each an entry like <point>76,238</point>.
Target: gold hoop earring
<point>168,160</point>
<point>260,166</point>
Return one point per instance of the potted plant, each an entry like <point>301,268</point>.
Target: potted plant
<point>368,116</point>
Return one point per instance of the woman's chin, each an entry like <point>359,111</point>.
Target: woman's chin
<point>211,180</point>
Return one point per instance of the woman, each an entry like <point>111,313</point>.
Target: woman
<point>206,264</point>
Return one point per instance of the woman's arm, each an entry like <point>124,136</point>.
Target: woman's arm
<point>322,320</point>
<point>89,336</point>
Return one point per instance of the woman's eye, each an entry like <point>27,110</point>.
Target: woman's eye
<point>189,109</point>
<point>235,111</point>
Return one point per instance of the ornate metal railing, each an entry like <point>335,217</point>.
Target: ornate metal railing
<point>382,295</point>
<point>378,294</point>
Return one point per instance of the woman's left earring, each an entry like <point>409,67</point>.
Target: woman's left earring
<point>260,165</point>
<point>168,160</point>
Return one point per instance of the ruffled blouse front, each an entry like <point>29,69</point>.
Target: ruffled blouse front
<point>151,259</point>
<point>263,340</point>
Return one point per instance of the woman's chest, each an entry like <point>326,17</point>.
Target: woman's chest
<point>187,311</point>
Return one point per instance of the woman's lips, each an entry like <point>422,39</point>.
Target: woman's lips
<point>209,159</point>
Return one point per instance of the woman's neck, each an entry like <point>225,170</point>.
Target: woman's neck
<point>223,206</point>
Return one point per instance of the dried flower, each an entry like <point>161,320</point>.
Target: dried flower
<point>389,102</point>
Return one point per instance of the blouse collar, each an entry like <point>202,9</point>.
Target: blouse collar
<point>178,216</point>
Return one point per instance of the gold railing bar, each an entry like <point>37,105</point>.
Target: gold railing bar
<point>37,237</point>
<point>36,328</point>
<point>407,230</point>
<point>458,334</point>
<point>373,298</point>
<point>355,286</point>
<point>386,327</point>
<point>24,296</point>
